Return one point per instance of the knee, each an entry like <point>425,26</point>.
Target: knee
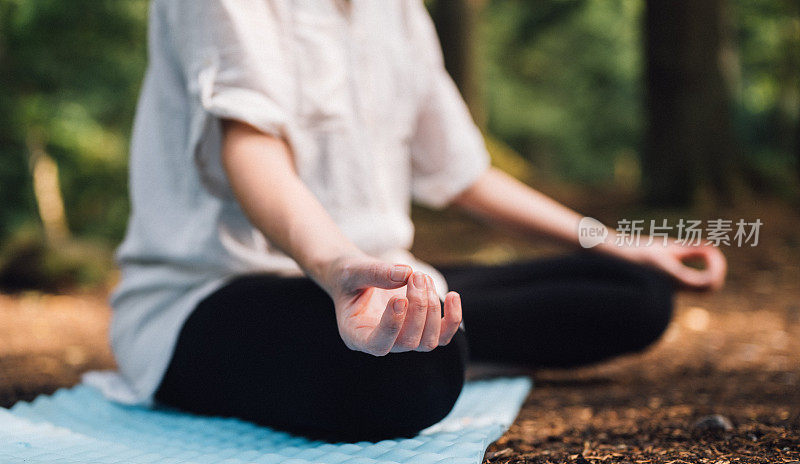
<point>412,399</point>
<point>429,403</point>
<point>430,390</point>
<point>656,309</point>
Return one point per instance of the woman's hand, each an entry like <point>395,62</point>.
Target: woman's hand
<point>504,200</point>
<point>380,307</point>
<point>672,257</point>
<point>383,308</point>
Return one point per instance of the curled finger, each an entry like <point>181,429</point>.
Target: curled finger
<point>452,318</point>
<point>383,337</point>
<point>433,320</point>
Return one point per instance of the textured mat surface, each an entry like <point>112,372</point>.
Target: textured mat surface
<point>78,425</point>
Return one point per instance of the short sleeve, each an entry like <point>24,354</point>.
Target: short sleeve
<point>448,153</point>
<point>232,55</point>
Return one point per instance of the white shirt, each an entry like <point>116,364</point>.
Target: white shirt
<point>359,91</point>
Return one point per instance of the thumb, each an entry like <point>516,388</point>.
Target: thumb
<point>379,274</point>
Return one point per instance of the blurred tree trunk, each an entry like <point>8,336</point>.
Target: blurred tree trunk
<point>456,24</point>
<point>795,135</point>
<point>47,192</point>
<point>689,141</point>
<point>793,59</point>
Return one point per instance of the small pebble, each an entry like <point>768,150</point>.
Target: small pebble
<point>713,424</point>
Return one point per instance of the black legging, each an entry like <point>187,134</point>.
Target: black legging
<point>267,349</point>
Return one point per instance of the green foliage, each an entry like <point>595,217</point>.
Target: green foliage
<point>70,75</point>
<point>563,82</point>
<point>27,261</point>
<point>767,89</point>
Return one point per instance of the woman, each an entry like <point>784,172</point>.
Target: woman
<point>265,271</point>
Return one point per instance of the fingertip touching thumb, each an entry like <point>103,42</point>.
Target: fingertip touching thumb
<point>400,273</point>
<point>386,275</point>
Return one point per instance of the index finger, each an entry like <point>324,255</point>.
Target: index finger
<point>688,276</point>
<point>715,263</point>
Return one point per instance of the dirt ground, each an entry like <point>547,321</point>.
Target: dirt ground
<point>735,354</point>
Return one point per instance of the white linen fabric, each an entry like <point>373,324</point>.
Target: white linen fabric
<point>359,91</point>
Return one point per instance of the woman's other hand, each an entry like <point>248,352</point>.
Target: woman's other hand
<point>383,308</point>
<point>672,258</point>
<point>502,199</point>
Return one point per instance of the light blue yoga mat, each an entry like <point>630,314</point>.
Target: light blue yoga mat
<point>78,425</point>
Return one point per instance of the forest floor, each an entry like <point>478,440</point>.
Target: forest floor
<point>735,353</point>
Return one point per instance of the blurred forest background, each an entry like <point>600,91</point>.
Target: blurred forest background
<point>676,104</point>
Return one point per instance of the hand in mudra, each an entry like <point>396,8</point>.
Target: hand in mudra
<point>383,308</point>
<point>672,258</point>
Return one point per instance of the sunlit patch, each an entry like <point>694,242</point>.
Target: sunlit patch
<point>697,319</point>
